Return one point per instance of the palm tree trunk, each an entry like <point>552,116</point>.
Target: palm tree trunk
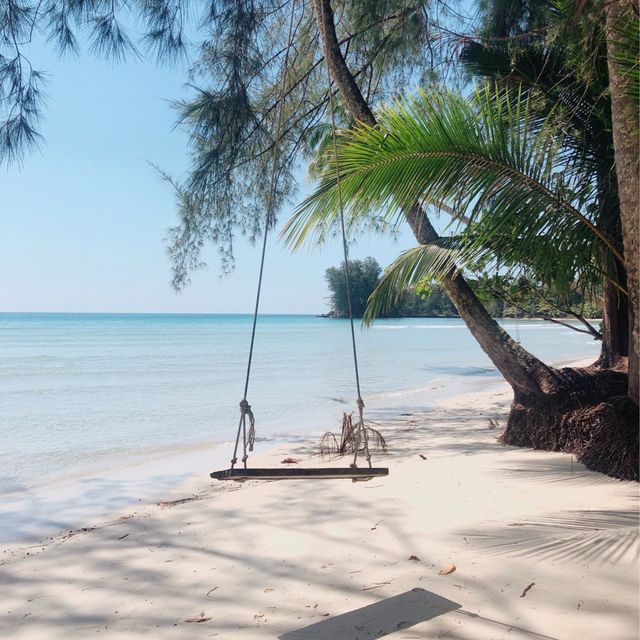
<point>624,113</point>
<point>524,372</point>
<point>615,307</point>
<point>553,409</point>
<point>615,327</point>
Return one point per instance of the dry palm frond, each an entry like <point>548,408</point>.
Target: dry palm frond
<point>349,439</point>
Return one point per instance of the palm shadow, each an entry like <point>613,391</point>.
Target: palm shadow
<point>584,535</point>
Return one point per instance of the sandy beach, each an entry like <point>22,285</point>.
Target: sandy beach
<point>466,539</point>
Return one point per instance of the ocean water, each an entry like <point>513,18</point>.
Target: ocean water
<point>79,392</point>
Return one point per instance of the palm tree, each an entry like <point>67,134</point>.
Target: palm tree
<point>549,68</point>
<point>518,193</point>
<point>623,60</point>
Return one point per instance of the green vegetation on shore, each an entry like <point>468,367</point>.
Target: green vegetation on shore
<point>502,295</point>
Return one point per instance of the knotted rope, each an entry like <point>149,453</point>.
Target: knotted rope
<point>361,430</point>
<point>248,439</point>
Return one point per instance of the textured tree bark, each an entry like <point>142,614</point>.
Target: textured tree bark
<point>615,328</point>
<point>624,113</point>
<point>615,322</point>
<point>521,369</point>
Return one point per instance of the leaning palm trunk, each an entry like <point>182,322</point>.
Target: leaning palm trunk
<point>518,366</point>
<point>548,410</point>
<point>620,19</point>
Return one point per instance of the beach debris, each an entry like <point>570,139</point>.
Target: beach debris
<point>173,503</point>
<point>123,537</point>
<point>75,532</point>
<point>200,618</point>
<point>524,593</point>
<point>447,570</point>
<point>375,526</point>
<point>211,590</point>
<point>290,461</point>
<point>376,585</point>
<point>414,558</point>
<point>423,457</point>
<point>257,616</point>
<point>349,439</point>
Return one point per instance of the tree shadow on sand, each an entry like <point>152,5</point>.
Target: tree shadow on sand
<point>600,535</point>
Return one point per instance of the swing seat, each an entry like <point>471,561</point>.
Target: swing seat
<point>319,473</point>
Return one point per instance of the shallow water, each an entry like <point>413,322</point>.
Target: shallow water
<point>79,392</point>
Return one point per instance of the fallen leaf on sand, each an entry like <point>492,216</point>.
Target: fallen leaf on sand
<point>200,618</point>
<point>524,593</point>
<point>423,457</point>
<point>290,461</point>
<point>414,558</point>
<point>447,570</point>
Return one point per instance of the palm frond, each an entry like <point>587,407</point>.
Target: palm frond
<point>541,68</point>
<point>493,158</point>
<point>426,261</point>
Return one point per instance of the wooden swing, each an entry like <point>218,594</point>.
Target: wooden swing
<point>352,472</point>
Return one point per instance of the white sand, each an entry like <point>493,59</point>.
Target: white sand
<point>543,549</point>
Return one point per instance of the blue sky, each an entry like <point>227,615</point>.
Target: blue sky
<point>84,220</point>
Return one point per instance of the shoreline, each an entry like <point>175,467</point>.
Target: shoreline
<point>542,548</point>
<point>86,497</point>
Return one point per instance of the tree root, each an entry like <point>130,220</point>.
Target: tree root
<point>590,418</point>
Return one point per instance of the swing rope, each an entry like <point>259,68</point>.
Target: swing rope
<point>361,430</point>
<point>248,439</point>
<point>246,414</point>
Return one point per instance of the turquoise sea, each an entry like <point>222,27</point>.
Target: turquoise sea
<point>80,392</point>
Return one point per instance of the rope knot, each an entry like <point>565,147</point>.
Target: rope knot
<point>245,410</point>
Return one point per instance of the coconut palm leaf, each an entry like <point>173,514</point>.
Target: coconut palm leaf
<point>542,69</point>
<point>426,261</point>
<point>492,158</point>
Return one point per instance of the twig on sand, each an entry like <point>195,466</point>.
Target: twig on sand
<point>377,585</point>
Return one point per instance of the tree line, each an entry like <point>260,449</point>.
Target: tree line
<point>503,297</point>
